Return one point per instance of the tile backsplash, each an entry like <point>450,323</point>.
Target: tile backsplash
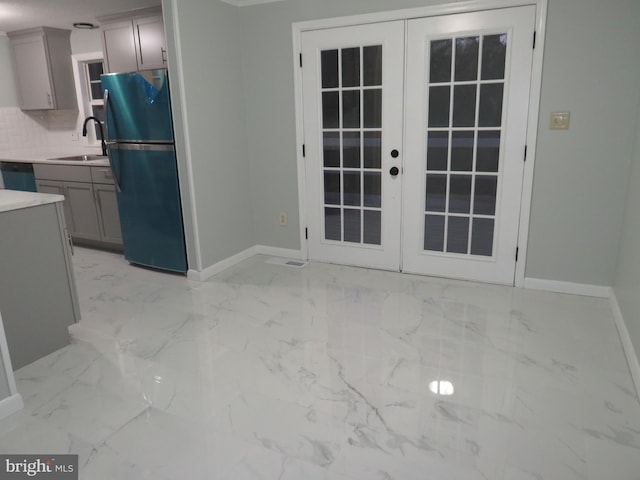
<point>23,130</point>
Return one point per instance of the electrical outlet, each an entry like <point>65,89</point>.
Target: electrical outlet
<point>75,136</point>
<point>282,219</point>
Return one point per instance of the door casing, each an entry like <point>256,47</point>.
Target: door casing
<point>430,11</point>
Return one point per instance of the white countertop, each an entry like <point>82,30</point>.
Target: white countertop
<point>46,154</point>
<point>15,200</point>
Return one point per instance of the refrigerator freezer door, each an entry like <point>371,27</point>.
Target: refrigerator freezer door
<point>137,106</point>
<point>149,206</point>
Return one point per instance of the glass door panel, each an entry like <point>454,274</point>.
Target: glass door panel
<point>353,120</point>
<point>466,130</point>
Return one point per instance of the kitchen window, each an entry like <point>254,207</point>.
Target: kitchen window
<point>87,69</point>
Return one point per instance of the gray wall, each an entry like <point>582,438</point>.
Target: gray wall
<point>627,279</point>
<point>210,40</point>
<point>590,69</point>
<point>268,69</point>
<point>8,94</point>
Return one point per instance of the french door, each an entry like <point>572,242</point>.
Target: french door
<point>415,134</point>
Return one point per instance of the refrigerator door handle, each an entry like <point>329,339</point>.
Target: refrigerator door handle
<point>116,180</point>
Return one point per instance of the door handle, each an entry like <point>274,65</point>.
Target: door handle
<point>393,171</point>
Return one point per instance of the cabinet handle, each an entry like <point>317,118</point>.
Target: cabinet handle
<point>107,173</point>
<point>70,240</point>
<point>96,195</point>
<point>163,52</point>
<point>140,45</point>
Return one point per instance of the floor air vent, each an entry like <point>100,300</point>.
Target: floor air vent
<point>287,262</point>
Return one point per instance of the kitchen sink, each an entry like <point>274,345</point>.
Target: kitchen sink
<point>81,158</point>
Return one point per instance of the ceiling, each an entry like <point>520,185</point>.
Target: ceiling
<point>19,14</point>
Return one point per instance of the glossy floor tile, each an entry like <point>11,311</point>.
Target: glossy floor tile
<point>324,372</point>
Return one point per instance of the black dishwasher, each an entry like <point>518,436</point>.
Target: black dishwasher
<point>18,176</point>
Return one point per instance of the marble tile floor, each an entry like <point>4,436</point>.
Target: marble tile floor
<point>273,372</point>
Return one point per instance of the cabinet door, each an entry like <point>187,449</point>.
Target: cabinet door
<point>108,216</point>
<point>151,48</point>
<point>83,210</point>
<point>32,73</point>
<point>119,47</point>
<point>56,187</point>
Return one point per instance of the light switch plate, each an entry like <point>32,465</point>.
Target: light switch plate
<point>559,121</point>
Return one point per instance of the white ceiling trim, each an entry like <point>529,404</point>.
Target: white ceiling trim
<point>246,3</point>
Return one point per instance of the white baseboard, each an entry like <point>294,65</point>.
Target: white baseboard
<point>11,405</point>
<point>280,252</point>
<point>239,257</point>
<point>627,344</point>
<point>216,268</point>
<point>585,289</point>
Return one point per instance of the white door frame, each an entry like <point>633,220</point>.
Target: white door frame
<point>429,11</point>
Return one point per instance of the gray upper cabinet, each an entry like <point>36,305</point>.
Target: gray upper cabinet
<point>152,46</point>
<point>134,41</point>
<point>119,47</point>
<point>42,66</point>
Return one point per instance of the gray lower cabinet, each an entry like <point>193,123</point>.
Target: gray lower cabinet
<point>38,297</point>
<point>90,206</point>
<point>104,192</point>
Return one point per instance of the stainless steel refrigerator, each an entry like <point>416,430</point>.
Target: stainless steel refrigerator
<point>142,155</point>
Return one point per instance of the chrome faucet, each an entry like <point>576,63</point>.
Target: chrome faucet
<point>84,132</point>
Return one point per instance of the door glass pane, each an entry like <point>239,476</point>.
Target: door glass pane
<point>490,105</point>
<point>372,227</point>
<point>330,110</point>
<point>329,62</point>
<point>464,106</point>
<point>440,63</point>
<point>331,149</point>
<point>462,151</point>
<point>351,149</point>
<point>439,106</point>
<point>458,235</point>
<point>482,237</point>
<point>351,109</point>
<point>484,197</point>
<point>434,232</point>
<point>373,190</point>
<point>352,157</point>
<point>494,52</point>
<point>352,189</point>
<point>351,67</point>
<point>437,150</point>
<point>332,224</point>
<point>467,49</point>
<point>332,188</point>
<point>352,228</point>
<point>372,65</point>
<point>373,108</point>
<point>372,149</point>
<point>488,151</point>
<point>460,194</point>
<point>436,194</point>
